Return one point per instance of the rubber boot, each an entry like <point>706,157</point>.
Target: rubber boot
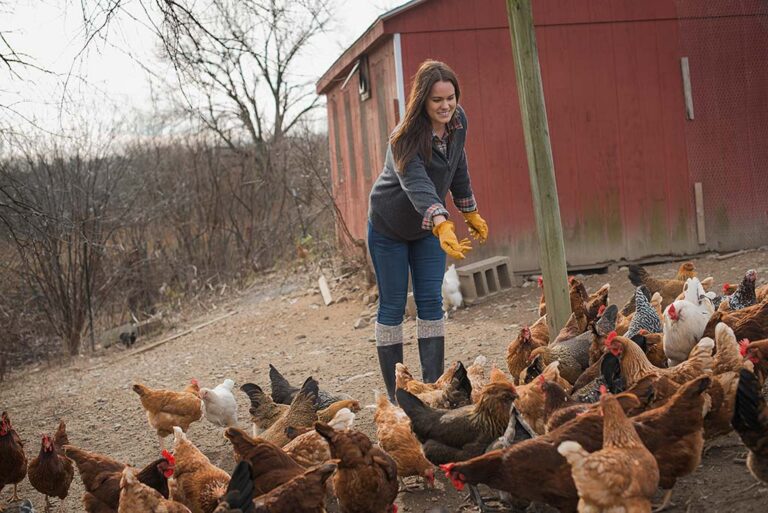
<point>431,354</point>
<point>389,356</point>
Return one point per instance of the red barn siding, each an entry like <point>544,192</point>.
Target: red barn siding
<point>625,157</point>
<point>359,132</point>
<point>729,133</point>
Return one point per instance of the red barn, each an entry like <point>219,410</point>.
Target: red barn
<point>647,103</point>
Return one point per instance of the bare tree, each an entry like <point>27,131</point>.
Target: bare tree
<point>58,211</point>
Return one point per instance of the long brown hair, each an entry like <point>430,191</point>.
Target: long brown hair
<point>414,133</point>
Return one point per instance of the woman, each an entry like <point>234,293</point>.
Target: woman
<point>408,224</point>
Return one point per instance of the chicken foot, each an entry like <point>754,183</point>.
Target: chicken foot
<point>15,496</point>
<point>665,503</point>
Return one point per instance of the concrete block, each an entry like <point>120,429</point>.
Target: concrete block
<point>481,280</point>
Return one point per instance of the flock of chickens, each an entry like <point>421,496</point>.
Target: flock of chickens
<point>593,419</point>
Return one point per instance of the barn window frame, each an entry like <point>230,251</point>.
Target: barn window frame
<point>363,78</point>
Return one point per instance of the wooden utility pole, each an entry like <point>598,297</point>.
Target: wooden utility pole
<point>540,164</point>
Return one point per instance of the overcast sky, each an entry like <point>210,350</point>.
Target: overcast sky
<point>115,68</point>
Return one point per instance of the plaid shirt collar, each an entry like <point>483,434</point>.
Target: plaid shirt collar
<point>442,142</point>
<point>450,127</point>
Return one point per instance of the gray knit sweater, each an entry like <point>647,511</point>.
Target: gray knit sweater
<point>402,205</point>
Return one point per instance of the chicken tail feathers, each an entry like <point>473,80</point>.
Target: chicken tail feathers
<point>254,393</point>
<point>419,413</point>
<point>310,389</point>
<point>239,494</point>
<point>638,275</point>
<point>749,403</point>
<point>60,438</point>
<point>282,391</point>
<point>572,451</point>
<point>461,380</point>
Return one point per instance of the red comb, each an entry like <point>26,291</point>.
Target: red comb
<point>542,379</point>
<point>540,280</point>
<point>743,344</point>
<point>610,338</point>
<point>455,481</point>
<point>601,310</point>
<point>603,390</point>
<point>726,286</point>
<point>194,381</point>
<point>168,456</point>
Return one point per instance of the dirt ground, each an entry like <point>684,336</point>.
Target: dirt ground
<point>283,323</point>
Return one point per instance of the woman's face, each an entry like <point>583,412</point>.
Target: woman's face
<point>441,103</point>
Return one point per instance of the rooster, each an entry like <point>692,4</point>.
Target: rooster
<point>219,405</point>
<point>621,476</point>
<point>685,321</point>
<point>452,298</point>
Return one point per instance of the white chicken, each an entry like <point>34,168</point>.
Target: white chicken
<point>219,404</point>
<point>452,298</point>
<point>685,320</point>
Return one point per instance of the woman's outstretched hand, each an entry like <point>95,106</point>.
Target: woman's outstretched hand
<point>478,228</point>
<point>446,232</point>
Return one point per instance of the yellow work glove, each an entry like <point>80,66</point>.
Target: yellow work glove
<point>478,228</point>
<point>446,232</point>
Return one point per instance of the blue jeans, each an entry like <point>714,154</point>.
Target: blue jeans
<point>391,261</point>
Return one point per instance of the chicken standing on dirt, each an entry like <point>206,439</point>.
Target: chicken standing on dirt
<point>50,472</point>
<point>394,433</point>
<point>219,405</point>
<point>199,483</point>
<point>166,408</point>
<point>645,315</point>
<point>101,476</point>
<point>519,350</point>
<point>453,435</point>
<point>305,493</point>
<point>366,477</point>
<point>13,460</point>
<point>621,475</point>
<point>271,466</point>
<point>137,497</point>
<point>264,411</point>
<point>302,413</point>
<point>750,420</point>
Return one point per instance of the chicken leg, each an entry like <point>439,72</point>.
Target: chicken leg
<point>47,505</point>
<point>665,502</point>
<point>15,496</point>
